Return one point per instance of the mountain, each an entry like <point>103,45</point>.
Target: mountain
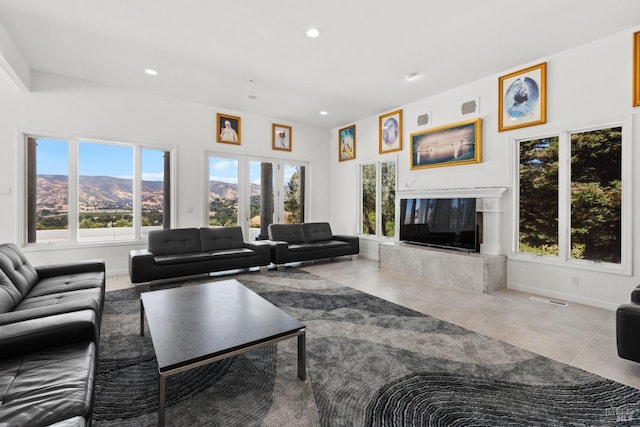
<point>109,193</point>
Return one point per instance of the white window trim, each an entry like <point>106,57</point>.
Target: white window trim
<point>378,235</point>
<point>73,222</point>
<point>564,201</point>
<point>244,159</point>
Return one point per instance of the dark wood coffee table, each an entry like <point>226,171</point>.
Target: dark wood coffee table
<point>195,325</point>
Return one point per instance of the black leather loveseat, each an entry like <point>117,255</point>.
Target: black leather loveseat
<point>628,328</point>
<point>49,333</point>
<point>308,241</point>
<point>182,252</point>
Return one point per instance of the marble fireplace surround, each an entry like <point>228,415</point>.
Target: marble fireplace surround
<point>483,272</point>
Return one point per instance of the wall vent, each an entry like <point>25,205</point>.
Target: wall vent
<point>423,119</point>
<point>469,107</point>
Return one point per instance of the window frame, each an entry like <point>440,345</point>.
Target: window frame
<point>244,160</point>
<point>378,234</point>
<point>564,200</point>
<point>73,187</point>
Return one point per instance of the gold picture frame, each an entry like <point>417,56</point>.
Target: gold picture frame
<point>390,132</point>
<point>636,69</point>
<point>523,98</point>
<point>281,137</point>
<point>347,143</point>
<point>450,145</point>
<point>228,129</point>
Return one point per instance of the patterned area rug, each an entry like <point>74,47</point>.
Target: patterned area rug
<point>369,363</point>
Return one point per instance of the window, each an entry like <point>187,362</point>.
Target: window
<point>570,196</point>
<point>377,198</point>
<point>254,192</point>
<point>89,191</point>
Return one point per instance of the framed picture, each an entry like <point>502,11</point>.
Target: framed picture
<point>456,144</point>
<point>280,137</point>
<point>227,129</point>
<point>390,132</point>
<point>636,69</point>
<point>347,143</point>
<point>523,98</point>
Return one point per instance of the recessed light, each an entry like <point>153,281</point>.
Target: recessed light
<point>151,72</point>
<point>412,76</point>
<point>312,33</point>
<point>323,113</point>
<point>253,97</point>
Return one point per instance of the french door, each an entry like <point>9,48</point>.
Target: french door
<point>254,192</point>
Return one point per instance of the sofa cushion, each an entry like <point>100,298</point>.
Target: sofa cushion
<point>17,268</point>
<point>299,247</point>
<point>317,231</point>
<point>180,258</point>
<point>67,283</point>
<point>333,244</point>
<point>216,238</point>
<point>48,386</point>
<point>174,241</point>
<point>84,298</point>
<point>231,253</point>
<point>291,233</point>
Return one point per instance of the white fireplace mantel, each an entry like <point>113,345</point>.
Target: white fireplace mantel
<point>489,203</point>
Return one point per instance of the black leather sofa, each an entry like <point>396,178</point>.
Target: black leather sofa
<point>309,241</point>
<point>182,252</point>
<point>628,328</point>
<point>49,334</point>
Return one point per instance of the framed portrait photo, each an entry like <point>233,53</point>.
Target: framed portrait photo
<point>281,137</point>
<point>390,132</point>
<point>455,144</point>
<point>228,129</point>
<point>523,98</point>
<point>347,143</point>
<point>636,69</point>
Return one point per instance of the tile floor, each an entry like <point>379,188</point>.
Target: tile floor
<point>575,334</point>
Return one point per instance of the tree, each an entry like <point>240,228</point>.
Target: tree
<point>292,199</point>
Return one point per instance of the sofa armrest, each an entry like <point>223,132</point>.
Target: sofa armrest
<point>279,250</point>
<point>141,261</point>
<point>35,334</point>
<point>635,295</point>
<point>88,266</point>
<point>627,327</point>
<point>354,241</point>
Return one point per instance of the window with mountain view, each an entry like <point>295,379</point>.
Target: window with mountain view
<point>85,191</point>
<point>593,193</point>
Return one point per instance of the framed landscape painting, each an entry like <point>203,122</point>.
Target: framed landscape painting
<point>227,129</point>
<point>523,98</point>
<point>390,132</point>
<point>281,137</point>
<point>455,144</point>
<point>347,143</point>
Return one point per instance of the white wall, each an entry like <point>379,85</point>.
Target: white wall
<point>60,107</point>
<point>587,85</point>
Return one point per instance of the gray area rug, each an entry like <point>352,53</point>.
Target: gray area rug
<point>369,363</point>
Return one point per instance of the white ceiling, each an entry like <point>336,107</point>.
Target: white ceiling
<point>221,53</point>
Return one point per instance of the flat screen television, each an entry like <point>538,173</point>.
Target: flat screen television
<point>445,223</point>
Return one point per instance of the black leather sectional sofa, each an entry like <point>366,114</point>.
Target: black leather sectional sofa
<point>627,327</point>
<point>49,334</point>
<point>308,241</point>
<point>189,251</point>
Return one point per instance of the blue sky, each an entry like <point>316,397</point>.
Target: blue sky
<point>226,170</point>
<point>97,160</point>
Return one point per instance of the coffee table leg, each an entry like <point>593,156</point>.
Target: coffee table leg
<point>302,356</point>
<point>141,318</point>
<point>161,399</point>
